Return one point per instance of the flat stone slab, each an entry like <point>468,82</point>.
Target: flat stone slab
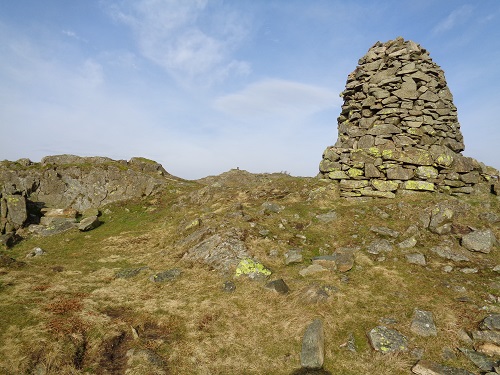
<point>386,340</point>
<point>313,346</point>
<point>425,367</point>
<point>491,322</point>
<point>480,360</point>
<point>293,256</point>
<point>423,323</point>
<point>89,223</point>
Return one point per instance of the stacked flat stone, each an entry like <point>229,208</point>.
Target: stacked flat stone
<point>398,129</point>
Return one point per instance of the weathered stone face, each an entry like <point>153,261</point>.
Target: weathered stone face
<point>398,122</point>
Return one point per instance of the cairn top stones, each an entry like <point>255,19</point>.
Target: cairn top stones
<point>398,128</point>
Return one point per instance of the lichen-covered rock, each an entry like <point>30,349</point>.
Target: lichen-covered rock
<point>480,240</point>
<point>386,340</point>
<point>398,122</point>
<point>89,223</point>
<point>252,269</point>
<point>423,323</point>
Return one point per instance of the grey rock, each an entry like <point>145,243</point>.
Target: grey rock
<point>169,275</point>
<point>479,359</point>
<point>384,231</point>
<point>35,252</point>
<point>441,220</point>
<point>326,261</point>
<point>279,286</point>
<point>379,246</point>
<point>491,322</point>
<point>314,293</point>
<point>425,367</point>
<point>89,223</point>
<point>313,269</point>
<point>327,217</point>
<point>423,323</point>
<point>488,336</point>
<point>222,251</point>
<point>481,241</point>
<point>293,256</point>
<point>447,252</point>
<point>228,286</point>
<point>386,340</point>
<point>408,243</point>
<point>269,207</point>
<point>16,210</point>
<point>416,258</point>
<point>313,351</point>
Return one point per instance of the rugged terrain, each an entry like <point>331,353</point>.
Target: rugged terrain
<point>154,288</point>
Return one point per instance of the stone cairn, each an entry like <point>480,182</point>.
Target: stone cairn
<point>398,129</point>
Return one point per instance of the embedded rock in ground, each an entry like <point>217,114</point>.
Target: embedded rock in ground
<point>480,360</point>
<point>441,219</point>
<point>386,340</point>
<point>444,251</point>
<point>379,246</point>
<point>128,273</point>
<point>88,223</point>
<point>222,252</point>
<point>398,129</point>
<point>384,231</point>
<point>35,252</point>
<point>423,323</point>
<point>344,259</point>
<point>293,256</point>
<point>491,322</point>
<point>328,217</point>
<point>313,351</point>
<point>252,269</point>
<point>313,269</point>
<point>326,261</point>
<point>228,287</point>
<point>416,258</point>
<point>279,286</point>
<point>425,367</point>
<point>480,240</point>
<point>169,275</point>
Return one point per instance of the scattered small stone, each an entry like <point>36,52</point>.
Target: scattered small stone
<point>425,367</point>
<point>379,246</point>
<point>416,258</point>
<point>35,252</point>
<point>269,207</point>
<point>279,286</point>
<point>417,353</point>
<point>487,336</point>
<point>264,232</point>
<point>384,231</point>
<point>464,337</point>
<point>168,275</point>
<point>313,351</point>
<point>408,243</point>
<point>491,322</point>
<point>388,321</point>
<point>273,253</point>
<point>312,270</point>
<point>386,340</point>
<point>469,270</point>
<point>193,224</point>
<point>252,269</point>
<point>88,223</point>
<point>328,217</point>
<point>480,240</point>
<point>496,268</point>
<point>315,294</point>
<point>344,258</point>
<point>423,323</point>
<point>228,286</point>
<point>447,269</point>
<point>293,256</point>
<point>448,354</point>
<point>448,253</point>
<point>441,220</point>
<point>327,261</point>
<point>490,349</point>
<point>479,359</point>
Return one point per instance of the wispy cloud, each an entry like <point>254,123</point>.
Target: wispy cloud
<point>72,34</point>
<point>455,18</point>
<point>274,97</point>
<point>172,35</point>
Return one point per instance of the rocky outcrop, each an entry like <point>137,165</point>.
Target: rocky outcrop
<point>71,182</point>
<point>398,129</point>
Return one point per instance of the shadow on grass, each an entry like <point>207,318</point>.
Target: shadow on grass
<point>305,371</point>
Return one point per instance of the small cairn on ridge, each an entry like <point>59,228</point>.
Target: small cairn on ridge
<point>398,129</point>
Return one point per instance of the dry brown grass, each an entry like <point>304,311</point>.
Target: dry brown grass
<point>66,311</point>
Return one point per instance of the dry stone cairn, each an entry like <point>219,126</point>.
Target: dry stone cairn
<point>398,129</point>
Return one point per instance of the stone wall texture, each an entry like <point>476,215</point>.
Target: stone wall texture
<point>398,129</point>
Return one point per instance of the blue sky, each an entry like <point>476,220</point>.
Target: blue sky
<point>204,86</point>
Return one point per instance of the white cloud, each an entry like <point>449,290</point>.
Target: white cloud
<point>72,34</point>
<point>455,18</point>
<point>280,98</point>
<point>171,34</point>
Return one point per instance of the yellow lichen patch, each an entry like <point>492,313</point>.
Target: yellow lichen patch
<point>249,267</point>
